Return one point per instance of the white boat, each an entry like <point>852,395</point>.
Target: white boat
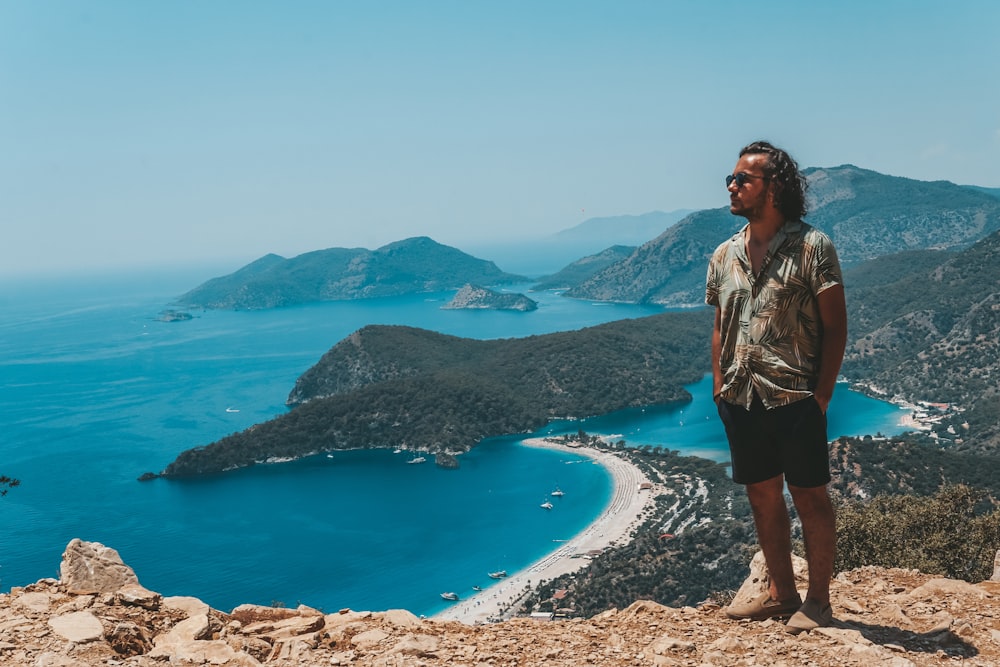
<point>546,505</point>
<point>449,596</point>
<point>558,492</point>
<point>499,574</point>
<point>419,459</point>
<point>232,410</point>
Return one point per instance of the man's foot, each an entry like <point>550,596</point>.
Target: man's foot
<point>763,606</point>
<point>810,616</point>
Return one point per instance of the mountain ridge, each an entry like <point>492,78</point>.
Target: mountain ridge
<point>414,265</point>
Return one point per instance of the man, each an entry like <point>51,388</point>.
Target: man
<point>777,345</point>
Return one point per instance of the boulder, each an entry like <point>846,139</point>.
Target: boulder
<point>91,567</point>
<point>759,578</point>
<point>78,627</point>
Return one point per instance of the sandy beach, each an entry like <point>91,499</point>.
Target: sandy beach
<point>613,526</point>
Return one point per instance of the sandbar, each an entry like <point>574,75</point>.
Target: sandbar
<point>631,498</point>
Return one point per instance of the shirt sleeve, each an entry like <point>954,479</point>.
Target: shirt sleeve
<point>712,282</point>
<point>826,269</point>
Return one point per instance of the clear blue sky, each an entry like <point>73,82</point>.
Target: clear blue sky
<point>158,133</point>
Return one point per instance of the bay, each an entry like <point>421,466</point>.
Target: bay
<point>96,389</point>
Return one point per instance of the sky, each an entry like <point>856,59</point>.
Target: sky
<point>155,134</point>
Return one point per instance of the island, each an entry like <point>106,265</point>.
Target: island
<point>474,297</point>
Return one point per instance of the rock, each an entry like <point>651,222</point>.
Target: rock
<point>214,652</point>
<point>128,639</point>
<point>422,646</point>
<point>936,588</point>
<point>188,606</point>
<point>287,627</point>
<point>91,567</point>
<point>401,618</point>
<point>35,602</point>
<point>137,596</point>
<point>369,638</point>
<point>78,627</point>
<point>759,579</point>
<point>897,618</point>
<point>188,630</point>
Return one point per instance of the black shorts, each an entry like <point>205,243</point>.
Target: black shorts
<point>790,440</point>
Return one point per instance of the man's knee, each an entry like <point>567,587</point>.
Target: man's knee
<point>811,500</point>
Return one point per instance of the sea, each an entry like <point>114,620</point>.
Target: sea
<point>96,389</point>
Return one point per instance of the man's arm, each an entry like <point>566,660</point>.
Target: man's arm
<point>833,314</point>
<point>717,353</point>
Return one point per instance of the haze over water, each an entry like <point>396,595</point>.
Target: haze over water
<point>95,391</point>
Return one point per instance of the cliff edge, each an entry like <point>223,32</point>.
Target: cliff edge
<point>97,613</point>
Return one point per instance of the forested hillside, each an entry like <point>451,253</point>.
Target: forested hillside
<point>393,386</point>
<point>926,326</point>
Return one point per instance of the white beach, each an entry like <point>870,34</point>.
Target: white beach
<point>613,526</point>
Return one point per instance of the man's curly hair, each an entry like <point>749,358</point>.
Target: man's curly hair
<point>789,183</point>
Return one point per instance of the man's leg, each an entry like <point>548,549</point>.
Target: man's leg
<point>819,529</point>
<point>770,515</point>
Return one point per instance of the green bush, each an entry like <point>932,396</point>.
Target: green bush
<point>954,533</point>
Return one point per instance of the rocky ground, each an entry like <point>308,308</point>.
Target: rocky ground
<point>97,613</point>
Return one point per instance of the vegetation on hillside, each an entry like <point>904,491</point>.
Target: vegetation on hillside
<point>948,533</point>
<point>926,326</point>
<point>394,386</point>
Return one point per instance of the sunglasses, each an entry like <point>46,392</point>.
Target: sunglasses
<point>741,179</point>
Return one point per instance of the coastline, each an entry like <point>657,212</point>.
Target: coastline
<point>612,526</point>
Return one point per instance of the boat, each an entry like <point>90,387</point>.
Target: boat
<point>499,574</point>
<point>232,409</point>
<point>558,492</point>
<point>449,596</point>
<point>419,459</point>
<point>546,505</point>
<point>477,588</point>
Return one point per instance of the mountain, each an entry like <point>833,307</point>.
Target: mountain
<point>927,324</point>
<point>396,386</point>
<point>582,269</point>
<point>602,232</point>
<point>410,266</point>
<point>546,255</point>
<point>867,215</point>
<point>993,192</point>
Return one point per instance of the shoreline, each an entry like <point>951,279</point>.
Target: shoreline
<point>612,526</point>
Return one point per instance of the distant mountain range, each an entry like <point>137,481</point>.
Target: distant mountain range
<point>410,266</point>
<point>867,215</point>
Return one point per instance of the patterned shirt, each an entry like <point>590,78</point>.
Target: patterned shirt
<point>770,323</point>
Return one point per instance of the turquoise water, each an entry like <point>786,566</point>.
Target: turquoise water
<point>95,391</point>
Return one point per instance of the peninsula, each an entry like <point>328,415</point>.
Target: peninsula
<point>402,387</point>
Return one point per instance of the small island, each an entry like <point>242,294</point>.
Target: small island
<point>174,316</point>
<point>481,298</point>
